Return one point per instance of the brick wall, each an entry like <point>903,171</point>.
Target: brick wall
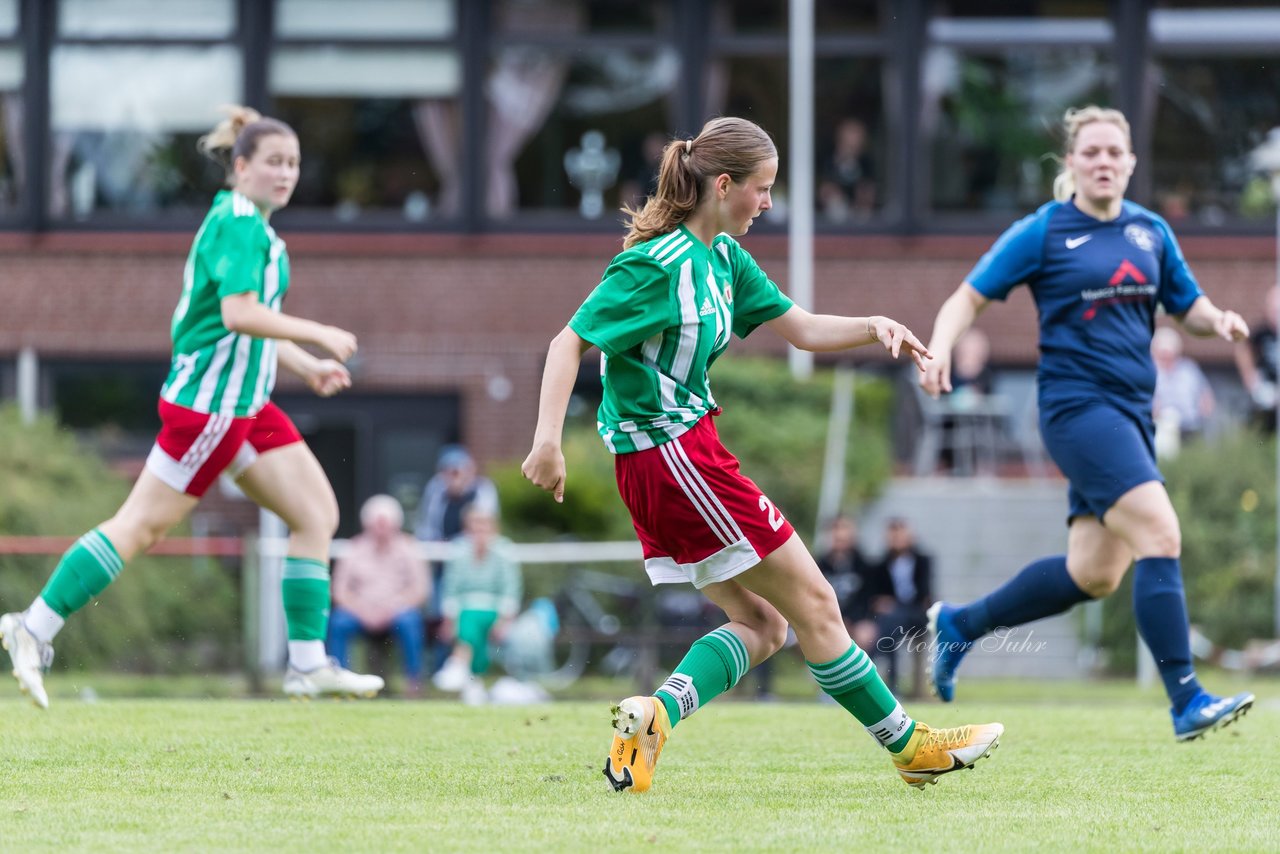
<point>465,312</point>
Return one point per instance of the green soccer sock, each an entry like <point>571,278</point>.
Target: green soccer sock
<point>305,590</point>
<point>84,571</point>
<point>853,681</point>
<point>713,665</point>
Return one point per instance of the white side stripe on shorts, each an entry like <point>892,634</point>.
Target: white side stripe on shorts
<point>696,476</point>
<point>715,524</point>
<point>205,444</point>
<point>699,492</point>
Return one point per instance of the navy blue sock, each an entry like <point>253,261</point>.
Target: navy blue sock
<point>1161,609</point>
<point>1041,589</point>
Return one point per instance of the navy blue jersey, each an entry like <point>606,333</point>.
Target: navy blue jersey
<point>1096,286</point>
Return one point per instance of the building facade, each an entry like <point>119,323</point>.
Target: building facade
<point>463,161</point>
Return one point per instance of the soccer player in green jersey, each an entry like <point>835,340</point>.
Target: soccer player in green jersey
<point>661,316</point>
<point>216,415</point>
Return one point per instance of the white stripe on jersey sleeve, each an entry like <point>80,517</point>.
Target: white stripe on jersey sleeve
<point>662,243</point>
<point>676,251</point>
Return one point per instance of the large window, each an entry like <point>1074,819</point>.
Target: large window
<point>372,90</point>
<point>1213,83</point>
<point>130,93</point>
<point>993,94</point>
<point>580,95</point>
<point>749,76</point>
<point>477,115</point>
<point>12,127</point>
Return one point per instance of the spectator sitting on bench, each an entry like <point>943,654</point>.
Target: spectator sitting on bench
<point>380,587</point>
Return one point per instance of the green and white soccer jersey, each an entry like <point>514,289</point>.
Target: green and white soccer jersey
<point>215,370</point>
<point>661,316</point>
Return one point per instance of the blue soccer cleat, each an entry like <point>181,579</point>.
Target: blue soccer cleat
<point>1206,712</point>
<point>947,651</point>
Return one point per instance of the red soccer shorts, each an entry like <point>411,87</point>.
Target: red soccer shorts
<point>193,448</point>
<point>698,517</point>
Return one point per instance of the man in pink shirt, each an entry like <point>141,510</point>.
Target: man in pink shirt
<point>380,586</point>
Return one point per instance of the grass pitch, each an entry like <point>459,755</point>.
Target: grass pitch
<point>1081,767</point>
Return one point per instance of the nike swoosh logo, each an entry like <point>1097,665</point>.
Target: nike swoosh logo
<point>1185,679</point>
<point>1073,242</point>
<point>651,731</point>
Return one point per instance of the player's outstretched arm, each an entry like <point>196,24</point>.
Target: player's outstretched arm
<point>822,333</point>
<point>1204,320</point>
<point>954,317</point>
<point>243,313</point>
<point>544,466</point>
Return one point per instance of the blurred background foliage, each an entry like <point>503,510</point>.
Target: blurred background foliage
<point>1225,495</point>
<point>774,424</point>
<point>163,615</point>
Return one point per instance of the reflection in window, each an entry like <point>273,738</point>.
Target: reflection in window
<point>846,16</point>
<point>1209,114</point>
<point>750,17</point>
<point>850,137</point>
<point>91,19</point>
<point>544,104</point>
<point>377,128</point>
<point>125,123</point>
<point>522,17</point>
<point>8,19</point>
<point>992,119</point>
<point>12,162</point>
<point>1021,8</point>
<point>754,88</point>
<point>400,19</point>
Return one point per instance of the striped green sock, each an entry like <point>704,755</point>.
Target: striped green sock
<point>305,590</point>
<point>713,665</point>
<point>84,571</point>
<point>853,681</point>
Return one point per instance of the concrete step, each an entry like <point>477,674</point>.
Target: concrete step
<point>981,531</point>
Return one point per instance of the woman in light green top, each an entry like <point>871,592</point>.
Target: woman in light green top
<point>229,335</point>
<point>480,596</point>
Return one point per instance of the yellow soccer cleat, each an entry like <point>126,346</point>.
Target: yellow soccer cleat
<point>640,727</point>
<point>933,752</point>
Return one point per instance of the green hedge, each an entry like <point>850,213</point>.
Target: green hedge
<point>775,425</point>
<point>162,615</point>
<point>1225,495</point>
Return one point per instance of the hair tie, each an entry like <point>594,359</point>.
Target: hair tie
<point>688,146</point>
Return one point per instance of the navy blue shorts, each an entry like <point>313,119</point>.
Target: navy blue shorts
<point>1103,450</point>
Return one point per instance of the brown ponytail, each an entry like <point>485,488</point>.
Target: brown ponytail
<point>237,136</point>
<point>731,146</point>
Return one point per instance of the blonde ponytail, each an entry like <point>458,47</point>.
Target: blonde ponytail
<point>237,136</point>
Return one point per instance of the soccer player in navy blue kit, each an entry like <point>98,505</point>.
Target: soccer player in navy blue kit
<point>1098,267</point>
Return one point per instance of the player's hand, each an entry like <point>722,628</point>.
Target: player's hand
<point>895,337</point>
<point>328,378</point>
<point>339,343</point>
<point>936,378</point>
<point>544,467</point>
<point>1231,326</point>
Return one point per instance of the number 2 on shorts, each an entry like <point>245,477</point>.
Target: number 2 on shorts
<point>775,518</point>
